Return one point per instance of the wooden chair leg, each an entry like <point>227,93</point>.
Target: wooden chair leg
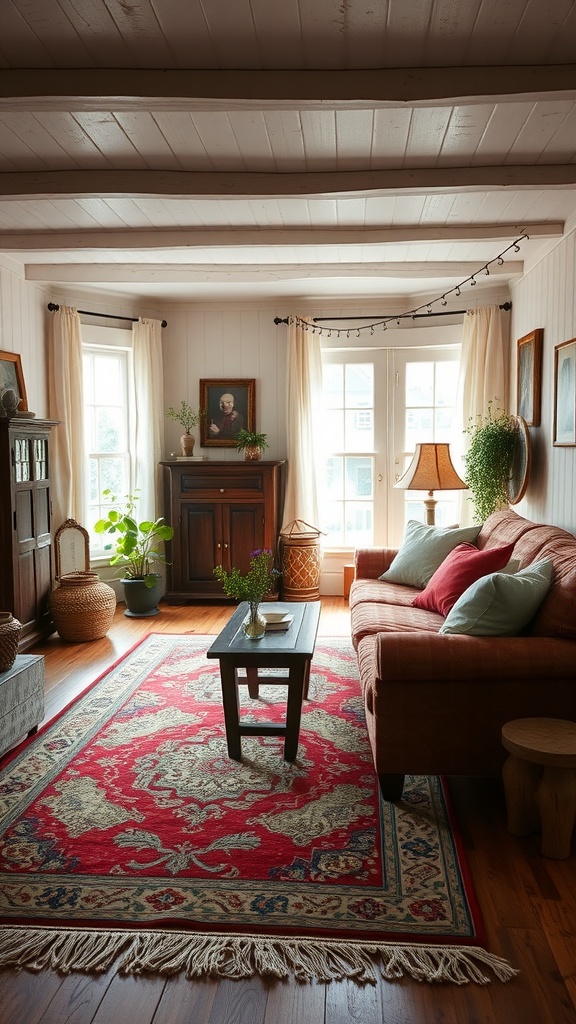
<point>391,786</point>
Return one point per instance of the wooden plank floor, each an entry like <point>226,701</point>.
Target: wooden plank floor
<point>529,906</point>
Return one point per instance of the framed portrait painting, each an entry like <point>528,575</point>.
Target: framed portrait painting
<point>12,378</point>
<point>529,379</point>
<point>228,406</point>
<point>565,394</point>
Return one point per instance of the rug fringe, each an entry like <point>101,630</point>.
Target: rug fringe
<point>241,956</point>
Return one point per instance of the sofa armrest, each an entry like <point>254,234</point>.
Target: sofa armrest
<point>444,657</point>
<point>370,563</point>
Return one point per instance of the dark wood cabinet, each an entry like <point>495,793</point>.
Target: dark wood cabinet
<point>25,525</point>
<point>220,513</point>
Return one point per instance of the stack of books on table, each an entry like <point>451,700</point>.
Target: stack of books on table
<point>276,621</point>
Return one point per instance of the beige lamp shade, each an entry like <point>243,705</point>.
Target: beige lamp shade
<point>431,470</point>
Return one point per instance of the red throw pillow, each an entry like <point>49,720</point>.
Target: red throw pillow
<point>459,570</point>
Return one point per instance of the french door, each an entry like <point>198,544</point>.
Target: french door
<point>377,404</point>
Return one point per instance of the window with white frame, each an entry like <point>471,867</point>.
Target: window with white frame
<point>377,405</point>
<point>425,409</point>
<point>106,356</point>
<point>347,493</point>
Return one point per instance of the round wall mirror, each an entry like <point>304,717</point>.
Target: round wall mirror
<point>520,471</point>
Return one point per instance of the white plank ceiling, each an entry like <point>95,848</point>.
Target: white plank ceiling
<point>188,151</point>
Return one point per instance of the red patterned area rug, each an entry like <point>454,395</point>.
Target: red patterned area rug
<point>130,838</point>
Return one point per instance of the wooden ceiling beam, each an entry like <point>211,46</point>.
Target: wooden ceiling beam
<point>157,89</point>
<point>175,273</point>
<point>185,184</point>
<point>190,239</point>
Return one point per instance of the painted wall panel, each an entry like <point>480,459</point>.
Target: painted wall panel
<point>546,297</point>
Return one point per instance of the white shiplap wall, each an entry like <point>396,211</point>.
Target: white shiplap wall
<point>227,343</point>
<point>23,319</point>
<point>546,297</point>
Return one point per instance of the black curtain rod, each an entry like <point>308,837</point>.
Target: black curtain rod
<point>54,307</point>
<point>389,316</point>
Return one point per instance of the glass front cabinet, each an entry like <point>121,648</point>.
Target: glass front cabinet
<point>25,525</point>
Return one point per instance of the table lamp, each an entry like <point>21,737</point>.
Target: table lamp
<point>431,470</point>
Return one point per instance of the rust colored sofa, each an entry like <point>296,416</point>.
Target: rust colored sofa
<point>435,703</point>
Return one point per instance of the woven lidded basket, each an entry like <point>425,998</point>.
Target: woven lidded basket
<point>300,561</point>
<point>9,637</point>
<point>82,607</point>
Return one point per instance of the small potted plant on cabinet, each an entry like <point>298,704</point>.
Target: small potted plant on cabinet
<point>137,551</point>
<point>187,418</point>
<point>252,443</point>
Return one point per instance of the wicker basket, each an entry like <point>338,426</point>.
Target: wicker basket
<point>9,637</point>
<point>82,607</point>
<point>300,561</point>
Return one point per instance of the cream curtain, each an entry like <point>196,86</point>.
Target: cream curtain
<point>483,364</point>
<point>148,439</point>
<point>304,381</point>
<point>483,377</point>
<point>66,404</point>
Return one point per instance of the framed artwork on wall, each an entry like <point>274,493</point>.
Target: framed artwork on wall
<point>565,394</point>
<point>229,407</point>
<point>12,387</point>
<point>529,377</point>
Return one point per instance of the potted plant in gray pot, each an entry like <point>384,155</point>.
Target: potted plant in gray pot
<point>137,550</point>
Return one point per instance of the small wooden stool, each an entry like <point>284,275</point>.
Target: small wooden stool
<point>349,572</point>
<point>540,781</point>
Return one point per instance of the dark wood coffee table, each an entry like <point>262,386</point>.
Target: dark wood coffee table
<point>291,650</point>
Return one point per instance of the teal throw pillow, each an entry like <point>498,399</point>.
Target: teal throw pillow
<point>500,604</point>
<point>423,550</point>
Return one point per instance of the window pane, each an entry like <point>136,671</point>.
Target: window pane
<point>333,386</point>
<point>358,528</point>
<point>419,384</point>
<point>335,477</point>
<point>444,425</point>
<point>106,431</point>
<point>113,476</point>
<point>348,426</point>
<point>335,523</point>
<point>359,431</point>
<point>431,393</point>
<point>108,378</point>
<point>359,478</point>
<point>418,427</point>
<point>333,437</point>
<point>359,385</point>
<point>446,383</point>
<point>109,430</point>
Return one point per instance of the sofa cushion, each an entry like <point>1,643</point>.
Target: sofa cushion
<point>557,615</point>
<point>462,567</point>
<point>500,604</point>
<point>423,549</point>
<point>505,527</point>
<point>367,618</point>
<point>379,592</point>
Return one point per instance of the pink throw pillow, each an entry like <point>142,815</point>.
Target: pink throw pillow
<point>459,570</point>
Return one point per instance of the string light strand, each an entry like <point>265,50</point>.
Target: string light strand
<point>410,313</point>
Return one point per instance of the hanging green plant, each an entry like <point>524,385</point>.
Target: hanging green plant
<point>488,462</point>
